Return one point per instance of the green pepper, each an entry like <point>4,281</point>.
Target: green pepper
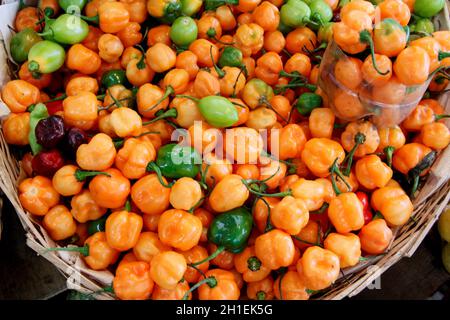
<point>214,4</point>
<point>46,57</point>
<point>424,26</point>
<point>171,11</point>
<point>38,112</point>
<point>183,31</point>
<point>428,8</point>
<point>307,102</point>
<point>113,77</point>
<point>190,7</point>
<point>67,29</point>
<point>320,13</point>
<point>325,33</point>
<point>231,57</point>
<point>71,5</point>
<point>97,225</point>
<point>21,44</point>
<point>284,28</point>
<point>295,13</point>
<point>176,161</point>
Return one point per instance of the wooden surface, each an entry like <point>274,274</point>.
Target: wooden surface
<point>24,275</point>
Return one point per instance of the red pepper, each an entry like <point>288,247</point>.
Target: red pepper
<point>46,163</point>
<point>366,207</point>
<point>54,106</point>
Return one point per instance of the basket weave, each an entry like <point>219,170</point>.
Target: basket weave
<point>429,204</point>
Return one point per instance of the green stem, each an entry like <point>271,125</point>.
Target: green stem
<point>128,206</point>
<point>254,264</point>
<point>219,71</point>
<point>196,100</point>
<point>171,113</point>
<point>94,19</point>
<point>195,206</point>
<point>33,66</point>
<point>141,63</point>
<point>360,138</point>
<point>441,116</point>
<point>442,55</point>
<point>61,97</point>
<point>260,295</point>
<point>261,194</point>
<point>151,166</point>
<point>218,251</point>
<point>365,37</point>
<point>321,209</point>
<point>414,173</point>
<point>81,175</point>
<point>307,242</point>
<point>83,250</point>
<point>389,151</point>
<point>168,92</point>
<point>334,169</point>
<point>210,281</point>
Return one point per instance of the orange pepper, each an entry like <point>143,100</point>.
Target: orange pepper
<point>126,122</point>
<point>130,35</point>
<point>393,137</point>
<point>205,50</point>
<point>268,67</point>
<point>80,108</point>
<point>151,222</point>
<point>206,218</point>
<point>300,63</point>
<point>139,72</point>
<point>310,235</point>
<point>272,173</point>
<point>206,84</point>
<point>37,195</point>
<point>311,192</point>
<point>290,215</point>
<point>267,16</point>
<point>110,191</point>
<point>178,293</point>
<point>81,84</point>
<point>282,107</point>
<point>320,153</point>
<point>98,154</point>
<point>209,27</point>
<point>226,18</point>
<point>101,255</point>
<point>187,112</point>
<point>261,118</point>
<point>321,123</point>
<point>91,41</point>
<point>288,181</point>
<point>179,229</point>
<point>375,237</point>
<point>247,5</point>
<point>217,169</point>
<point>346,33</point>
<point>150,196</point>
<point>27,17</point>
<point>148,100</point>
<point>167,269</point>
<point>346,212</point>
<point>394,205</point>
<point>372,173</point>
<point>59,223</point>
<point>224,260</point>
<point>130,53</point>
<point>249,38</point>
<point>435,135</point>
<point>133,281</point>
<point>133,158</point>
<point>420,116</point>
<point>373,76</point>
<point>347,104</point>
<point>348,72</point>
<point>110,47</point>
<point>228,194</point>
<point>223,288</point>
<point>412,66</point>
<point>185,194</point>
<point>160,57</point>
<point>193,255</point>
<point>408,156</point>
<point>370,143</point>
<point>260,211</point>
<point>84,207</point>
<point>362,5</point>
<point>319,268</point>
<point>40,80</point>
<point>346,246</point>
<point>261,290</point>
<point>176,81</point>
<point>16,128</point>
<point>18,95</point>
<point>83,59</point>
<point>290,144</point>
<point>113,16</point>
<point>232,83</point>
<point>250,266</point>
<point>123,229</point>
<point>187,60</point>
<point>301,40</point>
<point>137,10</point>
<point>395,9</point>
<point>249,64</point>
<point>275,249</point>
<point>290,286</point>
<point>159,34</point>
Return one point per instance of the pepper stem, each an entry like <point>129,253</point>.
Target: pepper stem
<point>334,169</point>
<point>141,63</point>
<point>210,281</point>
<point>151,166</point>
<point>414,173</point>
<point>359,139</point>
<point>33,66</point>
<point>94,19</point>
<point>169,91</point>
<point>171,113</point>
<point>219,71</point>
<point>442,55</point>
<point>441,116</point>
<point>307,242</point>
<point>268,223</point>
<point>365,37</point>
<point>83,250</point>
<point>388,151</point>
<point>128,206</point>
<point>218,251</point>
<point>253,263</point>
<point>260,295</point>
<point>197,100</point>
<point>321,209</point>
<point>81,175</point>
<point>61,97</point>
<point>252,188</point>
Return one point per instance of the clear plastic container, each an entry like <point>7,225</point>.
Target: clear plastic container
<point>387,105</point>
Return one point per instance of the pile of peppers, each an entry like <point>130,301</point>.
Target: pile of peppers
<point>187,147</point>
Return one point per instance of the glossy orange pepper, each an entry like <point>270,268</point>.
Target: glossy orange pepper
<point>394,205</point>
<point>346,246</point>
<point>151,222</point>
<point>347,104</point>
<point>224,260</point>
<point>232,83</point>
<point>435,135</point>
<point>282,107</point>
<point>133,158</point>
<point>260,211</point>
<point>159,34</point>
<point>247,5</point>
<point>348,72</point>
<point>261,290</point>
<point>160,57</point>
<point>16,128</point>
<point>130,53</point>
<point>346,33</point>
<point>167,269</point>
<point>117,96</point>
<point>250,266</point>
<point>150,196</point>
<point>123,229</point>
<point>371,75</point>
<point>126,122</point>
<point>393,137</point>
<point>249,38</point>
<point>187,60</point>
<point>310,235</point>
<point>83,59</point>
<point>40,80</point>
<point>178,293</point>
<point>224,288</point>
<point>319,268</point>
<point>37,195</point>
<point>91,41</point>
<point>408,156</point>
<point>361,5</point>
<point>209,27</point>
<point>370,132</point>
<point>101,255</point>
<point>185,194</point>
<point>113,16</point>
<point>81,108</point>
<point>375,237</point>
<point>261,118</point>
<point>412,66</point>
<point>81,84</point>
<point>372,173</point>
<point>301,40</point>
<point>177,80</point>
<point>228,194</point>
<point>275,249</point>
<point>147,99</point>
<point>320,153</point>
<point>290,286</point>
<point>206,218</point>
<point>98,154</point>
<point>321,123</point>
<point>395,9</point>
<point>311,192</point>
<point>226,17</point>
<point>84,207</point>
<point>137,10</point>
<point>18,95</point>
<point>290,215</point>
<point>130,35</point>
<point>268,67</point>
<point>272,173</point>
<point>139,72</point>
<point>110,47</point>
<point>133,281</point>
<point>300,63</point>
<point>216,169</point>
<point>193,255</point>
<point>204,50</point>
<point>110,191</point>
<point>420,116</point>
<point>346,212</point>
<point>27,17</point>
<point>206,84</point>
<point>291,142</point>
<point>179,229</point>
<point>59,223</point>
<point>267,16</point>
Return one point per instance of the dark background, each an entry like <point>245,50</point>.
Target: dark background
<point>25,275</point>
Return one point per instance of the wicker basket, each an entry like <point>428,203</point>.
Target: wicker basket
<point>430,202</point>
